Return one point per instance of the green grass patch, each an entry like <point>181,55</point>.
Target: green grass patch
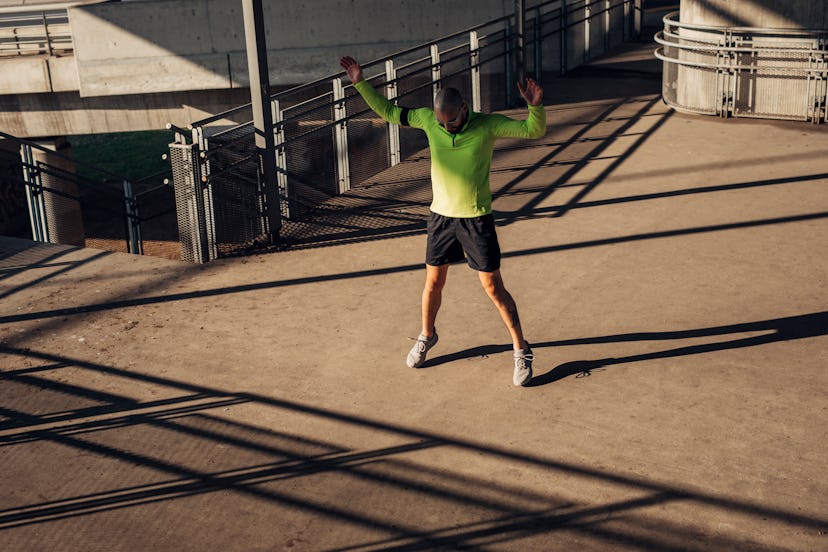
<point>130,155</point>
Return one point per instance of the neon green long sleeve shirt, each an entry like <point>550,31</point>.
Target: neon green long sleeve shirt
<point>460,163</point>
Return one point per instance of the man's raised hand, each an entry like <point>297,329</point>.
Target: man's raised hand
<point>352,68</point>
<point>532,92</point>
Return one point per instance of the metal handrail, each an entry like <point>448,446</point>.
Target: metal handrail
<point>668,19</point>
<point>699,44</point>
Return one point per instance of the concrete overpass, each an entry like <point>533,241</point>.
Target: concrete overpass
<point>84,67</point>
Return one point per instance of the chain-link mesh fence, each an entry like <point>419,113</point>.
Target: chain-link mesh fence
<point>235,190</point>
<point>310,152</point>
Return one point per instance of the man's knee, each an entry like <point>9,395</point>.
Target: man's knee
<point>492,284</point>
<point>435,279</point>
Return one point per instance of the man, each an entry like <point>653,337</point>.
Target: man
<point>461,225</point>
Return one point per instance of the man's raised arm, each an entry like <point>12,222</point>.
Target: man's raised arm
<point>352,69</point>
<point>535,124</point>
<point>376,101</point>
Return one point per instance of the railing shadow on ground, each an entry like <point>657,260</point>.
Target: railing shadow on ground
<point>18,255</point>
<point>242,288</point>
<point>169,437</point>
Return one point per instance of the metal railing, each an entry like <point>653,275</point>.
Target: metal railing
<point>35,32</point>
<point>744,71</point>
<point>328,141</point>
<point>77,203</point>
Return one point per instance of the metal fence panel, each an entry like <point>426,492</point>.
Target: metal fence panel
<point>615,32</point>
<point>190,196</point>
<point>767,91</point>
<point>235,191</point>
<point>576,33</point>
<point>310,151</point>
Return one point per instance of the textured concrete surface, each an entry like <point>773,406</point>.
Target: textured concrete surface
<point>670,272</point>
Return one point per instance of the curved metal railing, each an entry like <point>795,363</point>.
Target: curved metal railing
<point>744,71</point>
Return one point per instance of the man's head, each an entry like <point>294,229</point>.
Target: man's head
<point>450,109</point>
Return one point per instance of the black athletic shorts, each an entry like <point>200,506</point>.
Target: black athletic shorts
<point>452,239</point>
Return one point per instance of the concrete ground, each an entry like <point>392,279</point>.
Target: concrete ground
<point>670,271</point>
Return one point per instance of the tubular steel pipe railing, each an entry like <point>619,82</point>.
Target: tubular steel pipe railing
<point>744,71</point>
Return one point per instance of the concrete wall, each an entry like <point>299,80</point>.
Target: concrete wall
<point>66,113</point>
<point>199,44</point>
<point>781,14</point>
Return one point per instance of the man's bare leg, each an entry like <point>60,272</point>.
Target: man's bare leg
<point>523,357</point>
<point>493,285</point>
<point>433,296</point>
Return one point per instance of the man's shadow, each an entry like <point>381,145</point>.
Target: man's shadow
<point>777,329</point>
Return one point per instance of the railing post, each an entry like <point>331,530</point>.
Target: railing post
<point>728,80</point>
<point>281,158</point>
<point>563,36</point>
<point>34,196</point>
<point>258,73</point>
<point>637,18</point>
<point>474,65</point>
<point>435,69</point>
<point>341,136</point>
<point>822,95</point>
<point>393,130</point>
<point>587,25</point>
<point>46,33</point>
<point>520,20</point>
<point>133,222</point>
<point>538,31</point>
<point>626,25</point>
<point>507,59</point>
<point>607,42</point>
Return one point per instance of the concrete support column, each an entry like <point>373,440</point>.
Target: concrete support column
<point>769,14</point>
<point>62,211</point>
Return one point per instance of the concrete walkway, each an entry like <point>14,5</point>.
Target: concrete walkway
<point>670,272</point>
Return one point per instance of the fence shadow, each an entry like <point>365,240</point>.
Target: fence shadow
<point>195,449</point>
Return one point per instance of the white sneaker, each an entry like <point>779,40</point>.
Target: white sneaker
<point>523,366</point>
<point>417,354</point>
